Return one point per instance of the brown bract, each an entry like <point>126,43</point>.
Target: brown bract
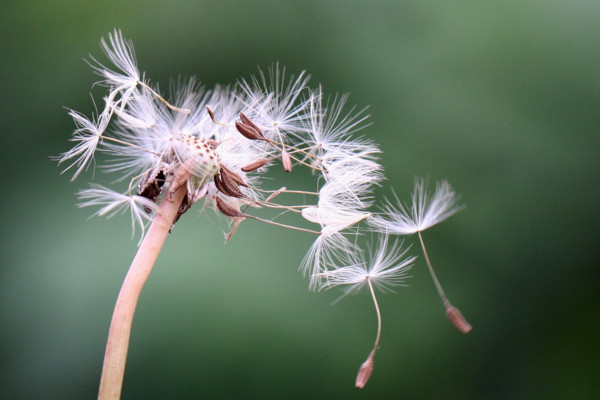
<point>151,185</point>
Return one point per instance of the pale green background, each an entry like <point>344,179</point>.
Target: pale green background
<point>499,97</point>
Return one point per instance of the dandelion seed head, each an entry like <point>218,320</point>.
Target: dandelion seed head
<point>220,145</point>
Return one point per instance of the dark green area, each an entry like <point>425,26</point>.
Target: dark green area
<point>501,98</point>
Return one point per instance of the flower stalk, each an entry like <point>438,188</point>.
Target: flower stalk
<point>115,356</point>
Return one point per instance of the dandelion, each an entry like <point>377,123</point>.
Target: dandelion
<point>425,211</point>
<point>216,147</point>
<point>386,269</point>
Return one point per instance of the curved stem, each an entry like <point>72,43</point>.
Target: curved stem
<point>166,103</point>
<point>438,286</point>
<point>454,315</point>
<point>120,327</point>
<point>366,368</point>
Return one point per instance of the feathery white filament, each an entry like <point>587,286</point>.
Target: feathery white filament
<point>425,211</point>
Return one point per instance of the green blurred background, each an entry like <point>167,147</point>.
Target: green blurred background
<point>501,98</point>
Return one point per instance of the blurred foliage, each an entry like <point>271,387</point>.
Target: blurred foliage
<point>501,98</point>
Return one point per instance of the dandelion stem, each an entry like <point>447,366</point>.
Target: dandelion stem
<point>120,326</point>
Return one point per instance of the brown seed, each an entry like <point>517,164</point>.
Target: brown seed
<point>261,162</point>
<point>247,131</point>
<point>249,122</point>
<point>219,184</point>
<point>227,209</point>
<point>227,187</point>
<point>231,186</point>
<point>287,161</point>
<point>211,113</point>
<point>365,371</point>
<point>457,319</point>
<point>235,177</point>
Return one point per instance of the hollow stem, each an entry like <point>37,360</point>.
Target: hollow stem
<point>117,345</point>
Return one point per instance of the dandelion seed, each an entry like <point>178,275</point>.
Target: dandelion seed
<point>87,135</point>
<point>386,269</point>
<point>113,203</point>
<point>125,78</point>
<point>425,211</point>
<point>253,166</point>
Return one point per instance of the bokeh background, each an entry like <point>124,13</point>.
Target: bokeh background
<point>501,98</point>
